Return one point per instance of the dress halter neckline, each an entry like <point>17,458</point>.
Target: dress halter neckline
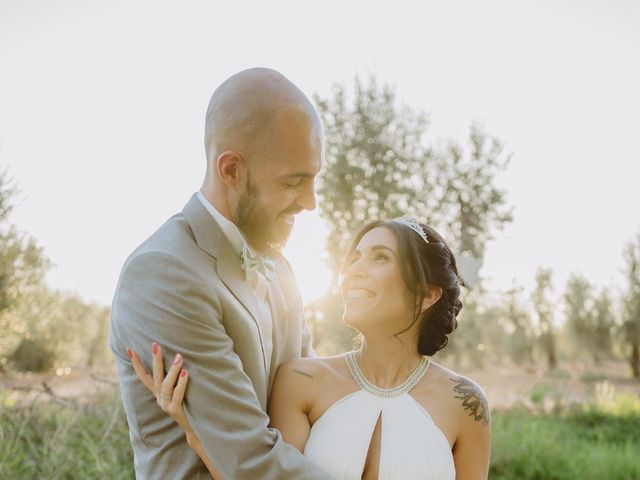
<point>411,381</point>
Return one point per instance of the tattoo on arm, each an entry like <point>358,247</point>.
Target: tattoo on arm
<point>295,370</point>
<point>472,400</point>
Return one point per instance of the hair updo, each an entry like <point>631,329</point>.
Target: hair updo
<point>423,264</point>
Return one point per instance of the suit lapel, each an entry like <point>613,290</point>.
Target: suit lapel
<point>211,239</point>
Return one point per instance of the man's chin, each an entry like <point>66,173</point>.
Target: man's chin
<point>280,237</point>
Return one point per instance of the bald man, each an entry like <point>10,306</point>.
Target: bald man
<point>211,284</point>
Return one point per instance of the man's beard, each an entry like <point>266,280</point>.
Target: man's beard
<point>256,225</point>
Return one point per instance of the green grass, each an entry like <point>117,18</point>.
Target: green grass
<point>68,441</point>
<point>583,442</point>
<point>65,441</point>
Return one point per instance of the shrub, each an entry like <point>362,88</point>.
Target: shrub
<point>32,356</point>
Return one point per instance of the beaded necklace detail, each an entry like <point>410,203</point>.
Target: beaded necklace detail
<point>411,381</point>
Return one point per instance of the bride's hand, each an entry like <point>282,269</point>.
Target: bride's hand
<point>169,395</point>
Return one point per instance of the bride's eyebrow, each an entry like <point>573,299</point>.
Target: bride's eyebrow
<point>374,248</point>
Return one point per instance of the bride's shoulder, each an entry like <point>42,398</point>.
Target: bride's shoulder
<point>309,368</point>
<point>465,396</point>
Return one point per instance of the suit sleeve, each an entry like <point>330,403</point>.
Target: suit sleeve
<point>161,299</point>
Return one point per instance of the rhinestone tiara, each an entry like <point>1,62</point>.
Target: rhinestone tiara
<point>413,225</point>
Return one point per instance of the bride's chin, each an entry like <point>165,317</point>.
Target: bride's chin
<point>349,320</point>
<point>354,321</point>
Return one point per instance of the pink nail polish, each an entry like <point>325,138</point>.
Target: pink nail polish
<point>155,347</point>
<point>183,373</point>
<point>177,359</point>
<point>129,353</point>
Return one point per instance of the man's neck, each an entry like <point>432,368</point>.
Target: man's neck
<point>218,201</point>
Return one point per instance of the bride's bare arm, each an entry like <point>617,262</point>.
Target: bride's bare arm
<point>290,401</point>
<point>169,392</point>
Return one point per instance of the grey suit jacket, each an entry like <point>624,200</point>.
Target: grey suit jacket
<point>184,288</point>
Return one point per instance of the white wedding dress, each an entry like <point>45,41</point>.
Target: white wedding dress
<point>412,446</point>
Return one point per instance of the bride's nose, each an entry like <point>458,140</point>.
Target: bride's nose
<point>355,270</point>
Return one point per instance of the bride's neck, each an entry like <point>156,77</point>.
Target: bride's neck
<point>388,364</point>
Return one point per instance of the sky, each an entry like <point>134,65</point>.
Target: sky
<point>102,113</point>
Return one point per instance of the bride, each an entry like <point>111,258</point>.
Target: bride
<point>386,410</point>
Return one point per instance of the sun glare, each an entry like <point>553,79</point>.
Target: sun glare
<point>305,251</point>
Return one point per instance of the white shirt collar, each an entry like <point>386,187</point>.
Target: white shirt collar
<point>228,228</point>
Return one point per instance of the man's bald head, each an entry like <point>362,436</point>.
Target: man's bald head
<point>245,108</point>
<point>264,146</point>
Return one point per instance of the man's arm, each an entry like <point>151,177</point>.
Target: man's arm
<point>161,299</point>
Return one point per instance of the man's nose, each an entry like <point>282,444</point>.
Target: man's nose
<point>307,197</point>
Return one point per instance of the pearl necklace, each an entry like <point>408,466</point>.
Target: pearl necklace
<point>411,381</point>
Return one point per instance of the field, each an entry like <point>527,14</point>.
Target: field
<point>581,422</point>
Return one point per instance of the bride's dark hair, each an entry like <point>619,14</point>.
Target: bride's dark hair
<point>423,264</point>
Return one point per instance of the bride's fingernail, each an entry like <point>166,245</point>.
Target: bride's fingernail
<point>177,359</point>
<point>183,373</point>
<point>129,353</point>
<point>155,347</point>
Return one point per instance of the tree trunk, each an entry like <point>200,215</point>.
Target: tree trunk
<point>551,357</point>
<point>634,360</point>
<point>549,346</point>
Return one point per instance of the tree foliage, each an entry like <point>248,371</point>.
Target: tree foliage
<point>380,164</point>
<point>22,262</point>
<point>53,329</point>
<point>589,318</point>
<point>471,202</point>
<point>40,327</point>
<point>521,338</point>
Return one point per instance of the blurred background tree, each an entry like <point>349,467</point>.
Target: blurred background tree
<point>543,306</point>
<point>631,303</point>
<point>588,319</point>
<point>380,164</point>
<point>470,204</point>
<point>22,269</point>
<point>22,263</point>
<point>603,325</point>
<point>520,339</point>
<point>41,328</point>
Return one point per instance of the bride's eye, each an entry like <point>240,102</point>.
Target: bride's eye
<point>383,257</point>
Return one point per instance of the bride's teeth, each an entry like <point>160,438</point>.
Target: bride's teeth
<point>359,294</point>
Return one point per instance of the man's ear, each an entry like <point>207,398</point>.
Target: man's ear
<point>230,167</point>
<point>432,295</point>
